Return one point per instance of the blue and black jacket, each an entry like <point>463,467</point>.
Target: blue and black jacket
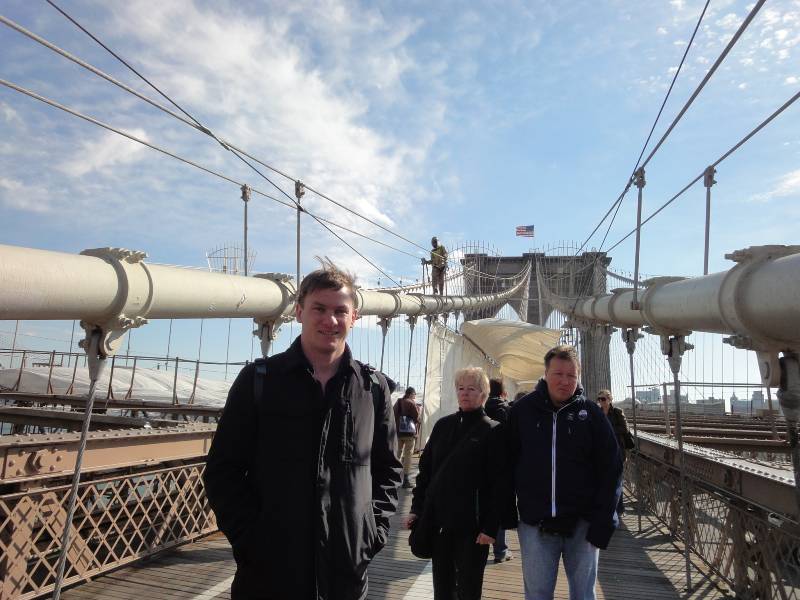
<point>566,462</point>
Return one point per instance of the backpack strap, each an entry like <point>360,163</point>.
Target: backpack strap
<point>372,383</point>
<point>259,377</point>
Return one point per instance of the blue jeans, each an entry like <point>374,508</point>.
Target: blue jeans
<point>541,553</point>
<point>500,548</point>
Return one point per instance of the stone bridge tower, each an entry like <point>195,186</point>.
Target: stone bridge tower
<point>582,275</point>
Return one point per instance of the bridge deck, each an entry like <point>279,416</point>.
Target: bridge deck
<point>634,566</point>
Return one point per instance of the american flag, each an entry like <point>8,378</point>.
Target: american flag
<point>524,230</point>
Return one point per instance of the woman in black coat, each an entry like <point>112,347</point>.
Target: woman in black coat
<point>458,489</point>
<point>620,426</point>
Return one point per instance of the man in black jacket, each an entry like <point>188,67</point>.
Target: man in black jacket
<point>302,473</point>
<point>567,474</point>
<point>497,408</point>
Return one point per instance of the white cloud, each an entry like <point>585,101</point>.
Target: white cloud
<point>101,153</point>
<point>742,86</point>
<point>791,80</point>
<point>9,114</point>
<point>678,4</point>
<point>661,31</point>
<point>786,186</point>
<point>729,22</point>
<point>16,195</point>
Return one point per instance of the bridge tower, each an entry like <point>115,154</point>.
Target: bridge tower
<point>567,276</point>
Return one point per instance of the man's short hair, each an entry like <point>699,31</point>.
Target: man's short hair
<point>562,352</point>
<point>496,387</point>
<point>328,277</point>
<point>476,375</point>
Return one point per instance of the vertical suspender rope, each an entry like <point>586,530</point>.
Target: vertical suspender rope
<point>630,336</point>
<point>674,347</point>
<point>638,179</point>
<point>708,181</point>
<point>246,200</point>
<point>384,323</point>
<point>96,367</point>
<point>299,191</point>
<point>412,321</point>
<point>428,319</point>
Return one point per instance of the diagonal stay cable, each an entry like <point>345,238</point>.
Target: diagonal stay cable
<point>193,122</point>
<point>187,161</point>
<point>652,129</point>
<point>341,239</point>
<point>756,7</point>
<point>733,149</point>
<point>199,125</point>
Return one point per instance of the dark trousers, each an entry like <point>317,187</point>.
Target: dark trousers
<point>458,564</point>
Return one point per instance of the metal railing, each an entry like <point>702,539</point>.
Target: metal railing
<point>753,550</point>
<point>118,520</point>
<point>51,360</point>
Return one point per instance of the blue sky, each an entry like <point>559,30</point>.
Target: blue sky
<point>456,119</point>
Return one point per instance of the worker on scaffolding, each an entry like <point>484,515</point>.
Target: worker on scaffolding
<point>438,263</point>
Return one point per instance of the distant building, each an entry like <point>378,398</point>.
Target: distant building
<point>649,396</point>
<point>752,406</point>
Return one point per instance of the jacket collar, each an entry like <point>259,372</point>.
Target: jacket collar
<point>295,358</point>
<point>543,401</point>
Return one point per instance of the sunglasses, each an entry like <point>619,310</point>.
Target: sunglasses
<point>602,399</point>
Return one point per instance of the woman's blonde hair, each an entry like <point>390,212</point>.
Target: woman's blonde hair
<point>475,375</point>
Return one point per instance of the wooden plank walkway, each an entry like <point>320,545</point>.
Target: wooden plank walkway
<point>634,567</point>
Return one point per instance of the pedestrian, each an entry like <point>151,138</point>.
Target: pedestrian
<point>497,408</point>
<point>567,471</point>
<point>406,416</point>
<point>619,424</point>
<point>457,490</point>
<point>302,474</point>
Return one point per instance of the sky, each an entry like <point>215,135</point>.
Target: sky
<point>461,120</point>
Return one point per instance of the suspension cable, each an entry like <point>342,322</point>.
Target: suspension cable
<point>192,121</point>
<point>733,149</point>
<point>187,161</point>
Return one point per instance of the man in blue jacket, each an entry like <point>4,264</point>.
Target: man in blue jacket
<point>567,475</point>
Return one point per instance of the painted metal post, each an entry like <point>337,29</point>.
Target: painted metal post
<point>638,179</point>
<point>673,348</point>
<point>299,192</point>
<point>110,393</point>
<point>175,383</point>
<point>384,323</point>
<point>129,393</point>
<point>412,321</point>
<point>246,200</point>
<point>708,181</point>
<point>630,336</point>
<point>665,402</point>
<point>96,366</point>
<point>49,389</point>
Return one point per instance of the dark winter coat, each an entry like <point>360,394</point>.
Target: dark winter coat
<point>303,483</point>
<point>577,474</point>
<point>497,409</point>
<point>464,497</point>
<point>619,424</point>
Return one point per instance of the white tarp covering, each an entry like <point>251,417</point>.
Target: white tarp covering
<point>148,384</point>
<point>511,350</point>
<point>518,347</point>
<point>447,352</point>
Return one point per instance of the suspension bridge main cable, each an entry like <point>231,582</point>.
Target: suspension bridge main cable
<point>187,161</point>
<point>191,121</point>
<point>731,43</point>
<point>628,184</point>
<point>733,149</point>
